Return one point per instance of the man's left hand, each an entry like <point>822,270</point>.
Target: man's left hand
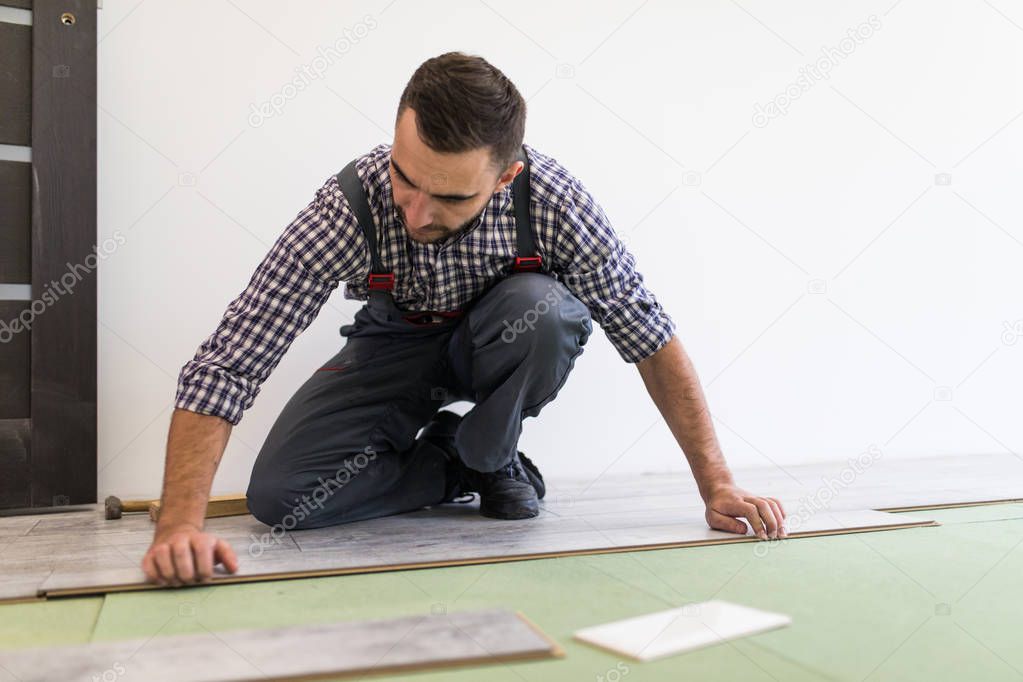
<point>727,504</point>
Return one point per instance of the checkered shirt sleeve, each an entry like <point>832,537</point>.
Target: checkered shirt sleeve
<point>320,248</point>
<point>601,272</point>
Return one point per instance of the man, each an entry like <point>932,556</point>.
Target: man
<point>483,262</point>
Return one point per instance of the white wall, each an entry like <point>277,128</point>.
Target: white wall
<point>825,282</point>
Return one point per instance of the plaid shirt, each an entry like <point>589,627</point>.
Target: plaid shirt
<point>323,246</point>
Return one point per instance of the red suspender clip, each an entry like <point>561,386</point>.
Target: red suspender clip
<point>527,263</point>
<point>381,281</point>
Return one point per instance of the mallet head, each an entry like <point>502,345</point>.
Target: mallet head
<point>113,507</point>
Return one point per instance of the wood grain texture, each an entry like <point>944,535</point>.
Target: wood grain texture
<point>218,505</point>
<point>15,84</point>
<point>64,232</point>
<point>16,526</point>
<point>354,648</point>
<point>15,222</point>
<point>15,364</point>
<point>883,484</point>
<point>954,505</point>
<point>15,445</point>
<point>610,514</point>
<point>33,547</point>
<point>456,540</point>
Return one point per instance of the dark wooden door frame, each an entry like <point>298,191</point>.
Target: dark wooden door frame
<point>50,453</point>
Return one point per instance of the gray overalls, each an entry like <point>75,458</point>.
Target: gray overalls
<point>344,447</point>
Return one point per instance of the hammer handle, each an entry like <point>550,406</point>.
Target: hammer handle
<point>135,505</point>
<point>219,505</point>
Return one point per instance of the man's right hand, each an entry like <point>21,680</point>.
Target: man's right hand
<point>182,554</point>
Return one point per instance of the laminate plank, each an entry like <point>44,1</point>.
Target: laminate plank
<point>22,574</point>
<point>91,523</point>
<point>32,546</point>
<point>455,544</point>
<point>26,562</point>
<point>884,484</point>
<point>131,527</point>
<point>353,648</point>
<point>470,527</point>
<point>16,526</point>
<point>615,513</point>
<point>13,590</point>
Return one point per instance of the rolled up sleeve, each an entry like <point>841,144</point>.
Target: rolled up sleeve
<point>315,252</point>
<point>597,268</point>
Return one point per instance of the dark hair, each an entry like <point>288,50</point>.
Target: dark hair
<point>462,102</point>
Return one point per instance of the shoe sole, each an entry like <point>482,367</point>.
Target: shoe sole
<point>522,513</point>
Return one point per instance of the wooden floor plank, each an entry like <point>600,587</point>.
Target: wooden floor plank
<point>15,589</point>
<point>295,653</point>
<point>453,545</point>
<point>15,526</point>
<point>605,514</point>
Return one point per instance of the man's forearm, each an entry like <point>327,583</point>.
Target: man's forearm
<point>672,382</point>
<point>195,444</point>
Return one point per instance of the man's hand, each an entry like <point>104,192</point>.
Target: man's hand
<point>671,380</point>
<point>727,503</point>
<point>183,554</point>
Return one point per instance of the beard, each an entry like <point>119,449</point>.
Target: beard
<point>431,233</point>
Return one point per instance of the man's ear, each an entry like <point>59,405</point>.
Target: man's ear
<point>509,175</point>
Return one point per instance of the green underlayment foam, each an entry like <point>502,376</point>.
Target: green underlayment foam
<point>929,603</point>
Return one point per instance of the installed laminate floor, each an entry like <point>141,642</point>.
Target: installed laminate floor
<point>936,603</point>
<point>81,553</point>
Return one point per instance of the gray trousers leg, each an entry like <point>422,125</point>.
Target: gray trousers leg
<point>512,355</point>
<point>344,447</point>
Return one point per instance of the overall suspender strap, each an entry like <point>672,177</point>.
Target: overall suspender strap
<point>527,259</point>
<point>379,279</point>
<point>351,186</point>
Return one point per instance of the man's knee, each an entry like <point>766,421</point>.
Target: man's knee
<point>270,501</point>
<point>538,309</point>
<point>298,498</point>
<point>291,503</point>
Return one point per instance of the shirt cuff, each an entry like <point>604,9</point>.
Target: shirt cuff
<point>212,391</point>
<point>638,331</point>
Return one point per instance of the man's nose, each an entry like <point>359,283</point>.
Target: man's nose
<point>418,213</point>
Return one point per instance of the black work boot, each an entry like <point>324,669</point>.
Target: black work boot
<point>462,480</point>
<point>535,477</point>
<point>507,493</point>
<point>440,431</point>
